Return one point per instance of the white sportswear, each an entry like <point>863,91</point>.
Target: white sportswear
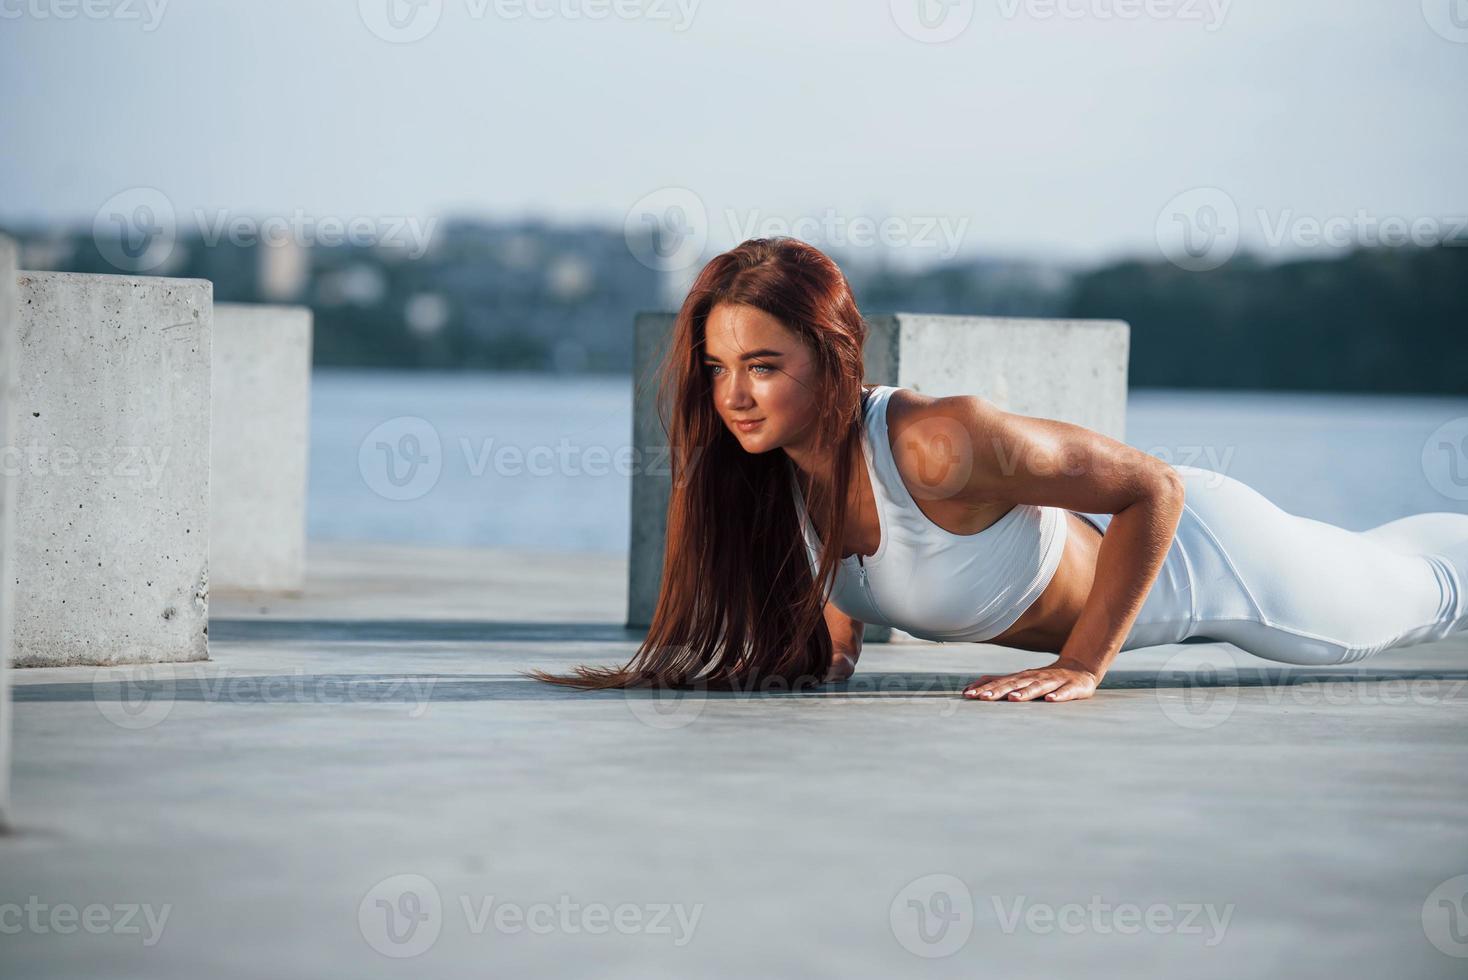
<point>1239,570</point>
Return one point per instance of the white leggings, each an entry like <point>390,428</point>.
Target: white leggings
<point>1298,590</point>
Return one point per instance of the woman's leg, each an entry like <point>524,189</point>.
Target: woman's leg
<point>1317,593</point>
<point>1421,533</point>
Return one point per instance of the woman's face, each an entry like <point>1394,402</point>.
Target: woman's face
<point>759,371</point>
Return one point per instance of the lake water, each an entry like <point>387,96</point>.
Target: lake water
<point>1354,460</point>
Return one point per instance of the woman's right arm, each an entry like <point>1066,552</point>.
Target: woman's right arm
<point>845,643</point>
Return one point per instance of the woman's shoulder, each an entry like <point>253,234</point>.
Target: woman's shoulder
<point>908,405</point>
<point>934,441</point>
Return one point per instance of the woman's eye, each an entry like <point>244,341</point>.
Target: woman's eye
<point>716,368</point>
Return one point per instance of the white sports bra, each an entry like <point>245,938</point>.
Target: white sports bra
<point>929,582</point>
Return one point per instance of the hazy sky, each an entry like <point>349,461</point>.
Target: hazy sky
<point>1044,127</point>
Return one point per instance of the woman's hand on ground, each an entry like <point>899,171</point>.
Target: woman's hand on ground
<point>843,665</point>
<point>1061,681</point>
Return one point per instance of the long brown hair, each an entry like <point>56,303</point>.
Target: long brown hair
<point>738,605</point>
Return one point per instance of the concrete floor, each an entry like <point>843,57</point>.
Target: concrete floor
<point>359,784</point>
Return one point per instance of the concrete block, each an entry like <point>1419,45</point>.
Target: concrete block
<point>651,485</point>
<point>112,514</point>
<point>9,339</point>
<point>260,422</point>
<point>1070,370</point>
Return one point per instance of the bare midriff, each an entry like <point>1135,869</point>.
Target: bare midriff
<point>1047,623</point>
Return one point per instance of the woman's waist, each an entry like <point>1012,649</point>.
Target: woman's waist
<point>950,597</point>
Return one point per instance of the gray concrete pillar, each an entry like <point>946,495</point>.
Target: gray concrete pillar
<point>9,338</point>
<point>1071,370</point>
<point>261,430</point>
<point>112,433</point>
<point>651,478</point>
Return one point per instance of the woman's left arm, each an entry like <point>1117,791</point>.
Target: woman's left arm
<point>969,448</point>
<point>1127,563</point>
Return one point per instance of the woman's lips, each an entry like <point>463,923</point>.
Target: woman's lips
<point>749,426</point>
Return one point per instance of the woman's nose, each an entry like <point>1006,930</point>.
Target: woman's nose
<point>736,393</point>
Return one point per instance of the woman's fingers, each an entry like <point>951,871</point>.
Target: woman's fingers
<point>1068,691</point>
<point>1000,686</point>
<point>1035,688</point>
<point>1049,683</point>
